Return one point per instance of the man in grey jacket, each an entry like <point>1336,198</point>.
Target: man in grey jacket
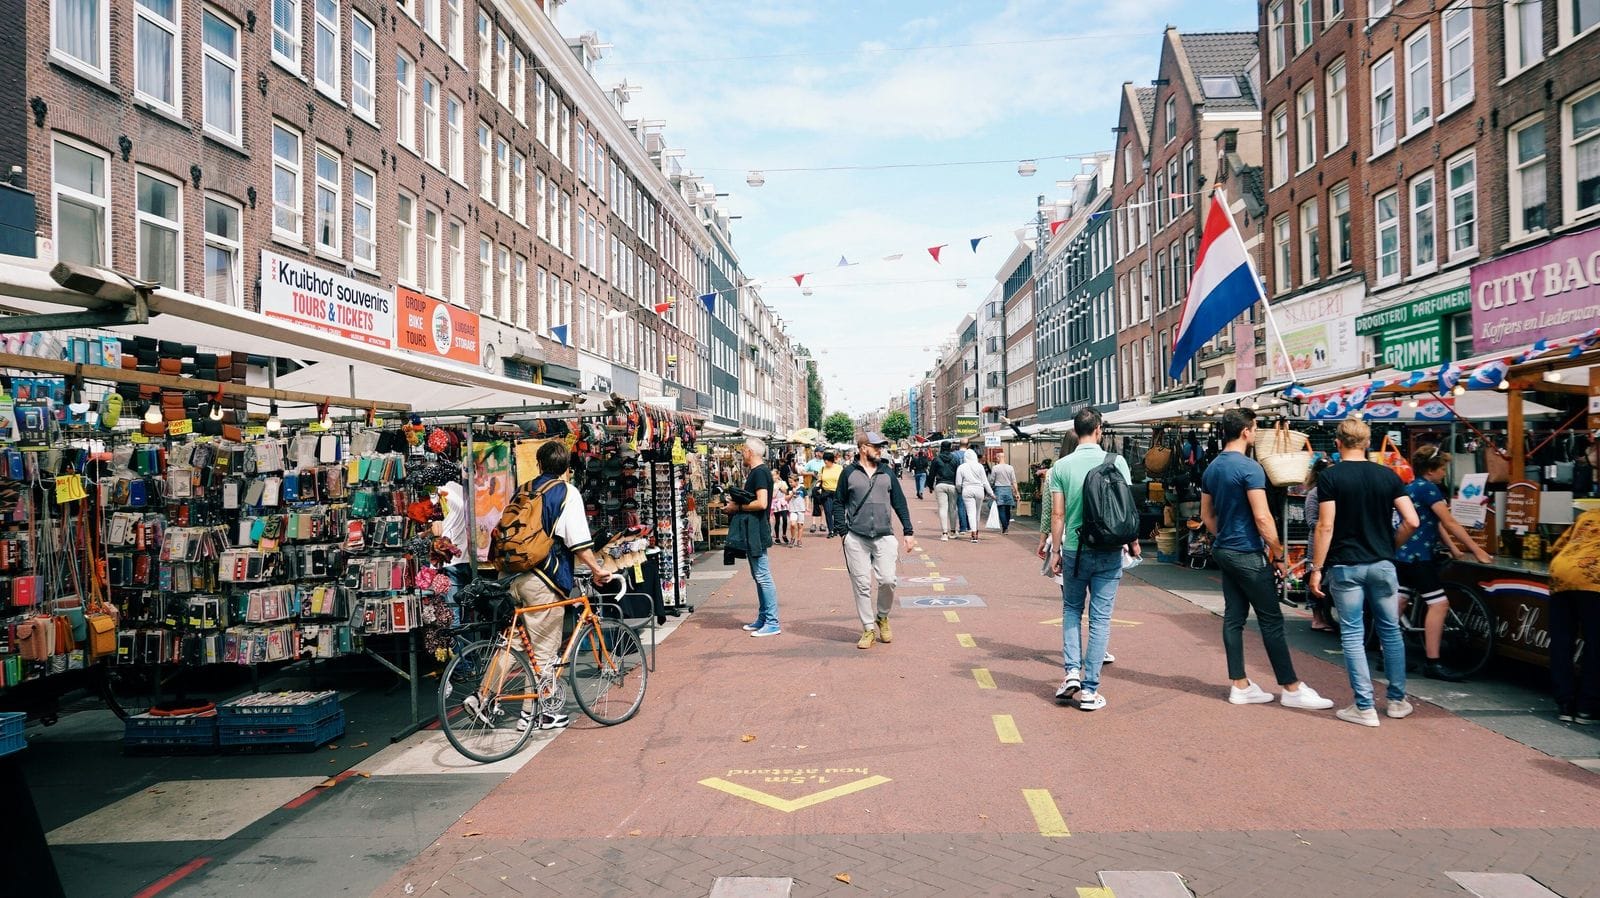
<point>868,495</point>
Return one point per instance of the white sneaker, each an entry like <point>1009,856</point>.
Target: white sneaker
<point>1091,701</point>
<point>1252,695</point>
<point>1306,699</point>
<point>1367,718</point>
<point>944,537</point>
<point>1398,708</point>
<point>1108,659</point>
<point>1069,685</point>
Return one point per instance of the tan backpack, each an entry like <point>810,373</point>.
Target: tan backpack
<point>521,542</point>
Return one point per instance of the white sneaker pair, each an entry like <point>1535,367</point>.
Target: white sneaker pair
<point>1304,698</point>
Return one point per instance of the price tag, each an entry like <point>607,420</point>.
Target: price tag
<point>256,430</point>
<point>138,438</point>
<point>317,427</point>
<point>69,488</point>
<point>377,422</point>
<point>180,427</point>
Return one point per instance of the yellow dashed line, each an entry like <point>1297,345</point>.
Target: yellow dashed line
<point>966,640</point>
<point>1045,813</point>
<point>984,678</point>
<point>1094,892</point>
<point>938,587</point>
<point>1006,729</point>
<point>951,617</point>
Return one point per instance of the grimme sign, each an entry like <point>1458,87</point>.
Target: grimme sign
<point>322,300</point>
<point>1415,334</point>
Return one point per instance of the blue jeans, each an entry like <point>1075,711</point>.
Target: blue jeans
<point>1354,587</point>
<point>961,513</point>
<point>922,479</point>
<point>1091,573</point>
<point>766,590</point>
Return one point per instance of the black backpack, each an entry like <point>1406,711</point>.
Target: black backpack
<point>1110,516</point>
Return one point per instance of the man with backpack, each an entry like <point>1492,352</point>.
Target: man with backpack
<point>1093,516</point>
<point>864,510</point>
<point>541,534</point>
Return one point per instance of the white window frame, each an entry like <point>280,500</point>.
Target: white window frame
<point>485,50</point>
<point>100,71</point>
<point>1280,145</point>
<point>289,35</point>
<point>405,101</point>
<point>485,276</point>
<point>485,162</point>
<point>1337,240</point>
<point>432,250</point>
<point>1457,252</point>
<point>1516,167</point>
<point>1566,27</point>
<point>233,246</point>
<point>405,239</point>
<point>503,269</point>
<point>334,190</point>
<point>1305,25</point>
<point>1277,36</point>
<point>582,223</point>
<point>1378,89</point>
<point>1310,241</point>
<point>1380,226</point>
<point>540,91</point>
<point>368,237</point>
<point>502,161</point>
<point>295,167</point>
<point>519,188</point>
<point>1570,146</point>
<point>1305,104</point>
<point>1282,255</point>
<point>210,54</point>
<point>1419,214</point>
<point>174,31</point>
<point>1171,118</point>
<point>1338,113</point>
<point>322,26</point>
<point>454,33</point>
<point>365,108</point>
<point>430,122</point>
<point>142,218</point>
<point>519,275</point>
<point>1419,70</point>
<point>1515,64</point>
<point>541,215</point>
<point>455,148</point>
<point>502,64</point>
<point>458,263</point>
<point>1447,77</point>
<point>519,85</point>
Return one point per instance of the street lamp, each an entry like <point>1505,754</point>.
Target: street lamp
<point>1027,168</point>
<point>755,179</point>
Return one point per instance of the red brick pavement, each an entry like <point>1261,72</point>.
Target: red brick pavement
<point>1168,755</point>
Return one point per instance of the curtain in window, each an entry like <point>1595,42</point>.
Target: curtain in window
<point>154,47</point>
<point>78,30</point>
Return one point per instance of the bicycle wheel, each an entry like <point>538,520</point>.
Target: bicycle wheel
<point>1468,640</point>
<point>608,670</point>
<point>474,717</point>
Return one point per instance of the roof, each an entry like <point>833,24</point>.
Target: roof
<point>1147,105</point>
<point>1222,54</point>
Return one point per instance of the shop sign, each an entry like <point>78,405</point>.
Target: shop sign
<point>433,327</point>
<point>322,300</point>
<point>1412,347</point>
<point>1415,312</point>
<point>1548,291</point>
<point>1319,332</point>
<point>1522,507</point>
<point>966,426</point>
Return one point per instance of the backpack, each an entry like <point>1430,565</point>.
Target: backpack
<point>1110,516</point>
<point>522,540</point>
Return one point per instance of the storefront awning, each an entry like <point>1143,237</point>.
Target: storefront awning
<point>379,374</point>
<point>1180,409</point>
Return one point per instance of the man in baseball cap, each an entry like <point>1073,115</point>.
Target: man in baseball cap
<point>868,498</point>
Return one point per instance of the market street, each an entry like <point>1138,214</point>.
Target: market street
<point>942,764</point>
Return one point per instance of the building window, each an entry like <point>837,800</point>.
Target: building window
<point>1386,218</point>
<point>1462,176</point>
<point>286,188</point>
<point>564,136</point>
<point>406,239</point>
<point>1277,37</point>
<point>520,313</point>
<point>1188,178</point>
<point>1335,10</point>
<point>155,52</point>
<point>539,92</point>
<point>502,158</point>
<point>1310,242</point>
<point>1577,17</point>
<point>286,33</point>
<point>485,277</point>
<point>453,37</point>
<point>1457,31</point>
<point>1280,146</point>
<point>485,52</point>
<point>1419,80</point>
<point>504,260</point>
<point>1175,206</point>
<point>1580,125</point>
<point>1338,110</point>
<point>430,121</point>
<point>160,234</point>
<point>81,33</point>
<point>1172,118</point>
<point>502,62</point>
<point>1339,211</point>
<point>485,164</point>
<point>405,127</point>
<point>458,263</point>
<point>453,139</point>
<point>220,81</point>
<point>363,214</point>
<point>519,87</point>
<point>432,252</point>
<point>1282,260</point>
<point>1383,133</point>
<point>540,215</point>
<point>519,188</point>
<point>325,51</point>
<point>1424,254</point>
<point>1378,10</point>
<point>1527,187</point>
<point>224,248</point>
<point>1306,135</point>
<point>328,205</point>
<point>1524,34</point>
<point>1306,18</point>
<point>583,245</point>
<point>1161,293</point>
<point>362,67</point>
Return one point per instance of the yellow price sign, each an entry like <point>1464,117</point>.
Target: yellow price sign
<point>138,438</point>
<point>69,488</point>
<point>180,427</point>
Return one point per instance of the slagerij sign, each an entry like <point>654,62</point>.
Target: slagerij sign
<point>1545,292</point>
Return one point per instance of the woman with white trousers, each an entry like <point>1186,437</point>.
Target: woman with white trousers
<point>972,483</point>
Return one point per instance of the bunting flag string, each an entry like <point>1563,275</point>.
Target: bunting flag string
<point>710,301</point>
<point>934,250</point>
<point>662,307</point>
<point>977,240</point>
<point>845,263</point>
<point>560,332</point>
<point>799,279</point>
<point>1056,226</point>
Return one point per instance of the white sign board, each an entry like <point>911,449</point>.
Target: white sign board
<point>1319,332</point>
<point>322,300</point>
<point>991,440</point>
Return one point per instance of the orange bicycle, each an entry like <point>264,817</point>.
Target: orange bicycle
<point>491,693</point>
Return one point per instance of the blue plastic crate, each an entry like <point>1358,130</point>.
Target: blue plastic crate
<point>11,738</point>
<point>192,733</point>
<point>302,737</point>
<point>322,707</point>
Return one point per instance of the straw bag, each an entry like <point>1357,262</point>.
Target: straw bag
<point>1158,457</point>
<point>1279,440</point>
<point>1287,468</point>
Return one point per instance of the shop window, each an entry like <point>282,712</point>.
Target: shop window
<point>1461,336</point>
<point>1527,181</point>
<point>220,79</point>
<point>224,248</point>
<point>160,234</point>
<point>363,215</point>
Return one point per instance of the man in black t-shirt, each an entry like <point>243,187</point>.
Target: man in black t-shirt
<point>1355,543</point>
<point>751,518</point>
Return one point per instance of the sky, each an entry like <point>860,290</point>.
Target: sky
<point>767,85</point>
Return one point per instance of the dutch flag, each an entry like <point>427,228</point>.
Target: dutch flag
<point>1223,286</point>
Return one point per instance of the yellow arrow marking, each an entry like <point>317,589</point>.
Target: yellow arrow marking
<point>790,805</point>
<point>984,678</point>
<point>934,574</point>
<point>952,618</point>
<point>1006,729</point>
<point>1051,623</point>
<point>1115,622</point>
<point>1045,813</point>
<point>1094,892</point>
<point>966,640</point>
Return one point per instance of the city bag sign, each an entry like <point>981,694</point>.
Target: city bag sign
<point>1544,292</point>
<point>332,303</point>
<point>432,327</point>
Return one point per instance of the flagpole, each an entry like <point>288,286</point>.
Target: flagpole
<point>1277,332</point>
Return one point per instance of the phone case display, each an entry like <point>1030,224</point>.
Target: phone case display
<point>664,500</point>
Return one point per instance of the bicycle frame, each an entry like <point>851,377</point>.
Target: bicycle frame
<point>518,629</point>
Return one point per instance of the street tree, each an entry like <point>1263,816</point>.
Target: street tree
<point>839,428</point>
<point>897,425</point>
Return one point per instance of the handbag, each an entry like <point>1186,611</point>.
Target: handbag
<point>1496,463</point>
<point>1390,457</point>
<point>102,627</point>
<point>1159,456</point>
